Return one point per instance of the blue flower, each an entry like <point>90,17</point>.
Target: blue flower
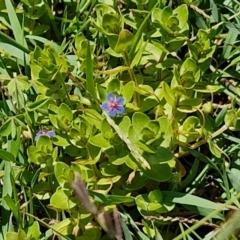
<point>45,133</point>
<point>113,105</point>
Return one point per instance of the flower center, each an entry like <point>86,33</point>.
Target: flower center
<point>113,104</point>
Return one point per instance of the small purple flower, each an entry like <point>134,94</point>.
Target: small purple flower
<point>45,133</point>
<point>113,105</point>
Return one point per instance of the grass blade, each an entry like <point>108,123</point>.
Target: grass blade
<point>228,45</point>
<point>188,199</point>
<point>6,190</point>
<point>5,38</point>
<point>139,33</point>
<point>89,74</point>
<point>16,27</point>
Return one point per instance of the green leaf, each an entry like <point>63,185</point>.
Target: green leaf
<point>139,121</point>
<point>161,17</point>
<point>142,201</point>
<point>20,235</point>
<point>190,130</point>
<point>113,86</point>
<point>155,196</point>
<point>61,141</point>
<point>140,1</point>
<point>93,117</point>
<point>18,84</point>
<point>236,126</point>
<point>153,202</point>
<point>61,200</point>
<point>206,88</point>
<point>176,43</point>
<point>190,105</point>
<point>156,49</point>
<point>115,70</point>
<point>182,15</point>
<point>125,41</point>
<point>138,181</point>
<point>230,118</point>
<point>166,131</point>
<point>33,232</point>
<point>42,190</point>
<point>5,155</point>
<point>62,173</point>
<point>148,103</point>
<point>124,125</point>
<point>191,123</point>
<point>110,199</point>
<point>89,74</point>
<point>168,94</point>
<point>6,128</point>
<point>99,141</point>
<point>93,233</point>
<point>64,227</point>
<point>214,149</point>
<point>159,172</point>
<point>166,14</point>
<point>130,161</point>
<point>112,41</point>
<point>40,29</point>
<point>111,23</point>
<point>108,181</point>
<point>189,65</point>
<point>140,49</point>
<point>37,104</point>
<point>44,143</point>
<point>161,155</point>
<point>127,91</point>
<point>106,129</point>
<point>15,143</point>
<point>14,208</point>
<point>65,112</point>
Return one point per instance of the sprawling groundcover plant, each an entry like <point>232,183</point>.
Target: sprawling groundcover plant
<point>118,119</point>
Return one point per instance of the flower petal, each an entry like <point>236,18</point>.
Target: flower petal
<point>39,133</point>
<point>120,100</point>
<point>110,97</point>
<point>105,106</point>
<point>51,133</point>
<point>120,110</point>
<point>37,136</point>
<point>112,113</point>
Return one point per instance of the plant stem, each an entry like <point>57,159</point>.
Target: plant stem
<point>159,71</point>
<point>94,168</point>
<point>201,142</point>
<point>48,226</point>
<point>133,77</point>
<point>205,219</point>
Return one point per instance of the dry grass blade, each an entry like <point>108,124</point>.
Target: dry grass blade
<point>134,149</point>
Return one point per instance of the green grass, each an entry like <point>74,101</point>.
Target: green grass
<point>167,167</point>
